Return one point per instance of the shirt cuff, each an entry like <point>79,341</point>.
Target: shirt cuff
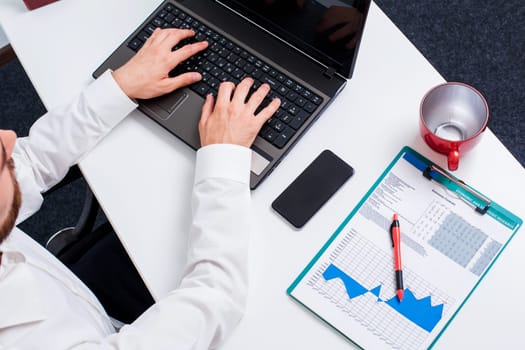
<point>224,161</point>
<point>108,100</point>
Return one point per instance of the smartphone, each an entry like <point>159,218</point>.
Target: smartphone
<point>312,188</point>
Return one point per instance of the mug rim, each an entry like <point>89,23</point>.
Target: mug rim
<point>487,111</point>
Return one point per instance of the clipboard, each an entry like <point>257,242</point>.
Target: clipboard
<point>451,236</point>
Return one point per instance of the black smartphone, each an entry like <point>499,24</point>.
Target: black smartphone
<point>312,188</point>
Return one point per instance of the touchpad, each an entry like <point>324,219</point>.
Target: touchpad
<point>170,102</point>
<point>183,120</point>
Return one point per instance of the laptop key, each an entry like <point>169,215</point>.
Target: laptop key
<point>150,29</point>
<point>158,22</point>
<point>229,68</point>
<point>143,36</point>
<point>238,74</point>
<point>317,100</point>
<point>279,125</point>
<point>293,109</point>
<point>221,63</point>
<point>289,83</point>
<point>282,90</point>
<point>257,74</point>
<point>200,37</point>
<point>299,120</point>
<point>271,135</point>
<point>231,57</point>
<point>292,96</point>
<point>200,88</point>
<point>240,63</point>
<point>286,118</point>
<point>249,68</point>
<point>285,104</point>
<point>306,94</point>
<point>283,138</point>
<point>310,107</point>
<point>214,83</point>
<point>270,81</point>
<point>169,18</point>
<point>300,101</point>
<point>176,23</point>
<point>135,44</point>
<point>224,77</point>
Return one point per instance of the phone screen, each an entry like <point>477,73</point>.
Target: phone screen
<point>312,188</point>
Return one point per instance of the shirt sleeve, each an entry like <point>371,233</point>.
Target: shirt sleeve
<point>211,299</point>
<point>62,136</point>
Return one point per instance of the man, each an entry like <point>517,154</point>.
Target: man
<point>42,304</point>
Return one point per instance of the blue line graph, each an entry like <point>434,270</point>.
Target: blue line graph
<point>419,311</point>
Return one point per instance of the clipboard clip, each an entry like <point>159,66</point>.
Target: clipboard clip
<point>487,203</point>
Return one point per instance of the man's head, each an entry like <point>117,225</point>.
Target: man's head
<point>10,198</point>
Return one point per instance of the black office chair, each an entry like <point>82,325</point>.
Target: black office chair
<point>70,243</point>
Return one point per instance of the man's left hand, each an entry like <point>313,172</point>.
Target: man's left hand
<point>145,75</point>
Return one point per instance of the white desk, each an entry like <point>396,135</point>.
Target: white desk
<point>3,39</point>
<point>142,175</point>
<point>9,9</point>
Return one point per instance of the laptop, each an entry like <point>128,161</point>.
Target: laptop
<point>304,49</point>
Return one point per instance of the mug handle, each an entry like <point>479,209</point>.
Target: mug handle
<point>453,159</point>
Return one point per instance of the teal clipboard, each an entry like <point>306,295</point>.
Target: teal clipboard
<point>480,203</point>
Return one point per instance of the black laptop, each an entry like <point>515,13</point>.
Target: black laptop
<point>304,49</point>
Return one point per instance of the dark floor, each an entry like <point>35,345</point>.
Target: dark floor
<point>477,42</point>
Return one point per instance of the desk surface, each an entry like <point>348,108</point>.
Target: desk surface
<point>375,115</point>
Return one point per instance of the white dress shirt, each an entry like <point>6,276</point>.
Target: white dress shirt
<point>45,306</point>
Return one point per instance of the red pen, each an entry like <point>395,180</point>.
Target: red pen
<point>395,232</point>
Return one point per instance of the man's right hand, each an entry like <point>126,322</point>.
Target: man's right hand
<point>231,119</point>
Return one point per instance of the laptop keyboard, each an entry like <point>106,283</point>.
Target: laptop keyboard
<point>223,61</point>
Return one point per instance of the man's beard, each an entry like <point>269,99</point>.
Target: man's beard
<point>9,222</point>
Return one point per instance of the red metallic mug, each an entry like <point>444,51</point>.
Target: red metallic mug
<point>452,119</point>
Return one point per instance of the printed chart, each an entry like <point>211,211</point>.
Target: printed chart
<point>363,289</point>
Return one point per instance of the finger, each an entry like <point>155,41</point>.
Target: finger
<point>257,97</point>
<point>242,90</point>
<point>152,37</point>
<point>268,111</point>
<point>187,51</point>
<point>182,80</point>
<point>158,36</point>
<point>225,93</point>
<point>173,36</point>
<point>207,109</point>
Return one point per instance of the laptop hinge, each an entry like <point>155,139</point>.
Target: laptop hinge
<point>329,72</point>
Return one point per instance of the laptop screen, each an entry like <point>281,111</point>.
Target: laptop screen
<point>327,30</point>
